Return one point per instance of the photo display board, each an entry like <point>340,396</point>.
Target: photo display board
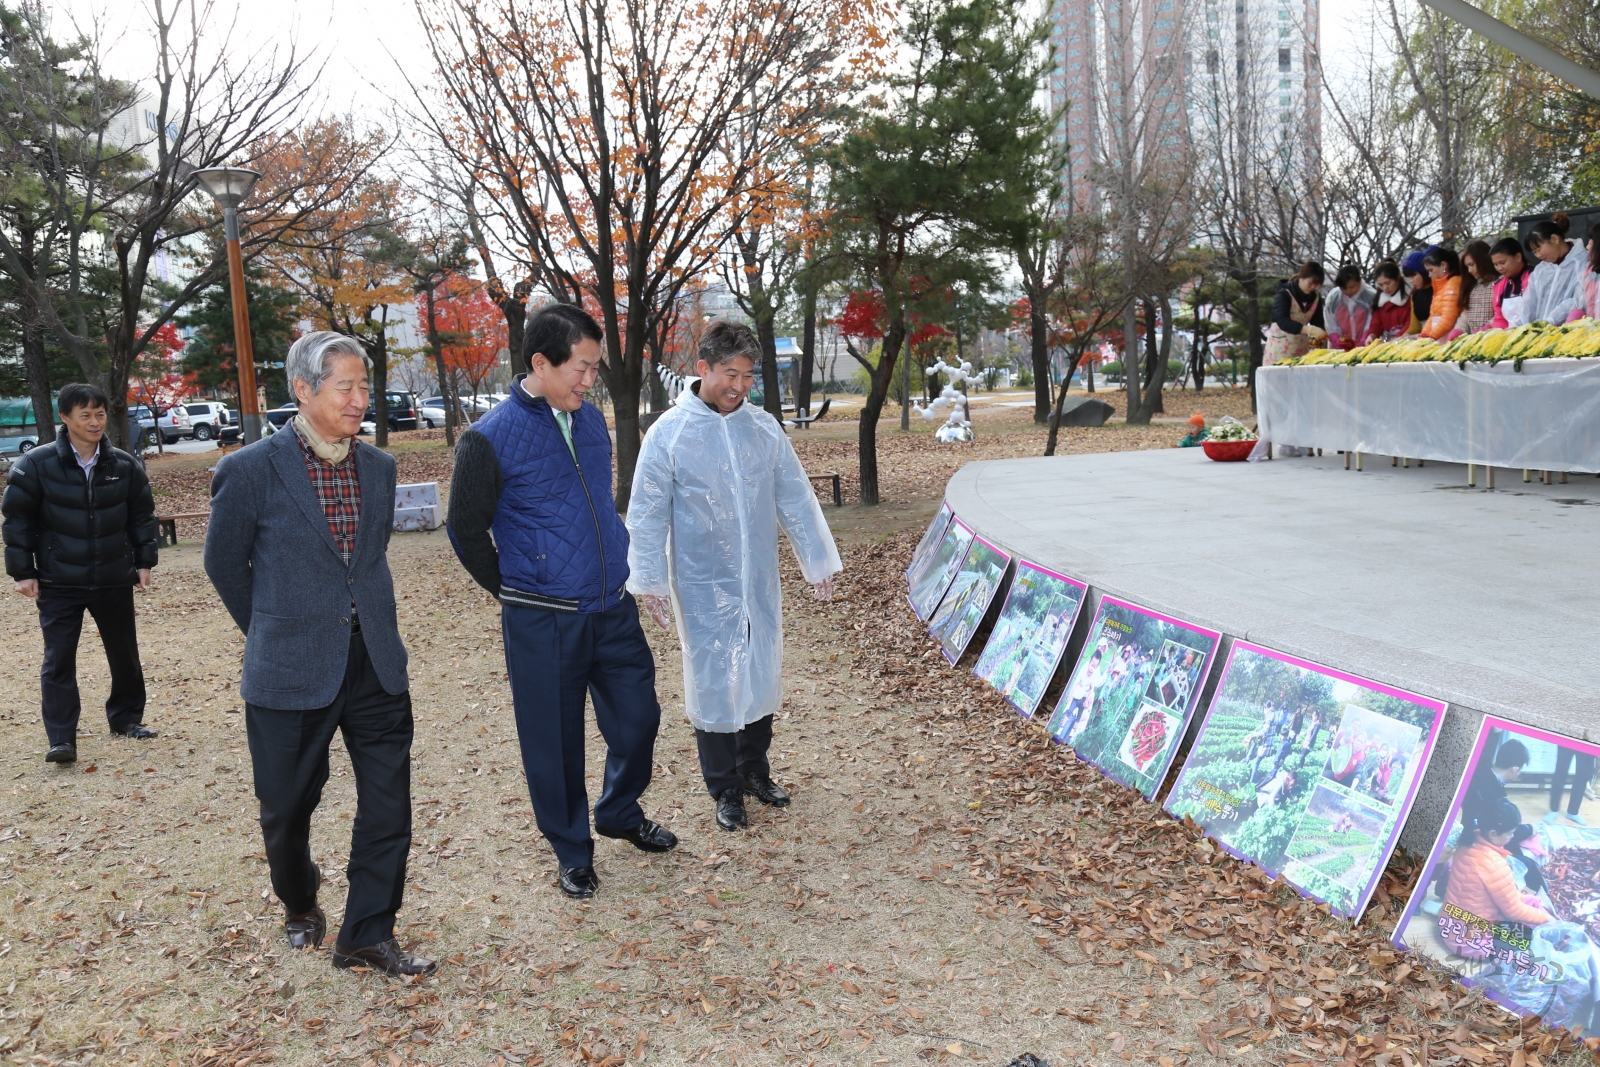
<point>967,600</point>
<point>1510,897</point>
<point>1307,772</point>
<point>1031,634</point>
<point>930,540</point>
<point>928,589</point>
<point>1135,688</point>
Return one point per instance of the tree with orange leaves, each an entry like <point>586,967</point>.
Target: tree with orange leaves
<point>599,126</point>
<point>344,262</point>
<point>472,328</point>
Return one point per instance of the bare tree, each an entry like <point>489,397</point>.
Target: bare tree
<point>600,127</point>
<point>1140,162</point>
<point>115,167</point>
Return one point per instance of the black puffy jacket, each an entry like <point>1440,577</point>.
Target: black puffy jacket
<point>63,530</point>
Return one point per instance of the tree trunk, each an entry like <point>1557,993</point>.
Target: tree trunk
<point>1151,400</point>
<point>771,388</point>
<point>1252,327</point>
<point>1039,335</point>
<point>808,354</point>
<point>380,384</point>
<point>877,396</point>
<point>905,393</point>
<point>514,306</point>
<point>444,379</point>
<point>1130,355</point>
<point>36,364</point>
<point>625,401</point>
<point>1061,399</point>
<point>1158,362</point>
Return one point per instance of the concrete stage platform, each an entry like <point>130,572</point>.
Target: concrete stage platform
<point>1484,598</point>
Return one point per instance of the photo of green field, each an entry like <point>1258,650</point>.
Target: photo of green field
<point>929,587</point>
<point>1034,626</point>
<point>1260,776</point>
<point>965,603</point>
<point>1333,844</point>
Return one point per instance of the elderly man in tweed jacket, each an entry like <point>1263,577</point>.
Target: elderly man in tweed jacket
<point>297,549</point>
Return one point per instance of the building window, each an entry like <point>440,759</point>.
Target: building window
<point>1212,61</point>
<point>1283,59</point>
<point>1283,31</point>
<point>1283,101</point>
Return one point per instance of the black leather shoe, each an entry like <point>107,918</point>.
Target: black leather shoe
<point>307,929</point>
<point>646,837</point>
<point>386,957</point>
<point>730,809</point>
<point>579,883</point>
<point>62,754</point>
<point>137,731</point>
<point>764,789</point>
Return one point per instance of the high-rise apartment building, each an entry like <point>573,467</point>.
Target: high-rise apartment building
<point>1196,77</point>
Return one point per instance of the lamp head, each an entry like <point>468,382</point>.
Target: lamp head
<point>228,186</point>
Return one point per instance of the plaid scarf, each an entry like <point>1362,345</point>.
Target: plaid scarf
<point>339,492</point>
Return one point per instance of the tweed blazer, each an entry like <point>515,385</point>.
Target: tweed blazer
<point>274,562</point>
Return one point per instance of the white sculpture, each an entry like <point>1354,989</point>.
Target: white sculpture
<point>956,426</point>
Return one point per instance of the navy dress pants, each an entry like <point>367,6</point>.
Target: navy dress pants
<point>289,751</point>
<point>554,660</point>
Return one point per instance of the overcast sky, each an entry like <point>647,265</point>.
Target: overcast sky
<point>366,44</point>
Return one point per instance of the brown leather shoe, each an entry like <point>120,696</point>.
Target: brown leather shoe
<point>307,929</point>
<point>386,957</point>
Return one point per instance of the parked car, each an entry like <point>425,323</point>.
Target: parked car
<point>210,419</point>
<point>19,432</point>
<point>431,411</point>
<point>402,411</point>
<point>172,423</point>
<point>279,417</point>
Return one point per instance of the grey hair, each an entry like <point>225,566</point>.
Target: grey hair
<point>310,358</point>
<point>725,341</point>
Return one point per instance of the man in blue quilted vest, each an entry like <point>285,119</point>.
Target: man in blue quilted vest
<point>531,518</point>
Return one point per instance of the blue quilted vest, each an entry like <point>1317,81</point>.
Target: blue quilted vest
<point>557,528</point>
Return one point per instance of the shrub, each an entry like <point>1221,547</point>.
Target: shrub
<point>1024,378</point>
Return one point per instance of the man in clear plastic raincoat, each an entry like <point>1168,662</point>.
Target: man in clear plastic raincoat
<point>715,480</point>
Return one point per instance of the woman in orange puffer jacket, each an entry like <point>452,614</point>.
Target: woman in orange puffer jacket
<point>1450,287</point>
<point>1481,885</point>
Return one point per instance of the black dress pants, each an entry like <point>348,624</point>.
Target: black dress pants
<point>727,759</point>
<point>61,609</point>
<point>1582,766</point>
<point>289,750</point>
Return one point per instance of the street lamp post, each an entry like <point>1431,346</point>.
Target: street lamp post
<point>229,186</point>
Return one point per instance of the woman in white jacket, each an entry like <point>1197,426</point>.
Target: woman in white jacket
<point>715,480</point>
<point>1348,311</point>
<point>1555,288</point>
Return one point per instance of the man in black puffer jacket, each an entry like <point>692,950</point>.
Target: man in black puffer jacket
<point>80,532</point>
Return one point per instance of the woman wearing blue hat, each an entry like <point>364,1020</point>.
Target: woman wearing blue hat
<point>1421,287</point>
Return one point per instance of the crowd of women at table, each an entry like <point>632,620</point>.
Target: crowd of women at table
<point>1441,294</point>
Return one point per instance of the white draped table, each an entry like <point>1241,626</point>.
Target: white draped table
<point>1545,417</point>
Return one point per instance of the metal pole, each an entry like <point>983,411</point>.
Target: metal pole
<point>1514,40</point>
<point>244,351</point>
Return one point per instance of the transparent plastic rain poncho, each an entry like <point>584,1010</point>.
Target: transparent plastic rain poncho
<point>709,493</point>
